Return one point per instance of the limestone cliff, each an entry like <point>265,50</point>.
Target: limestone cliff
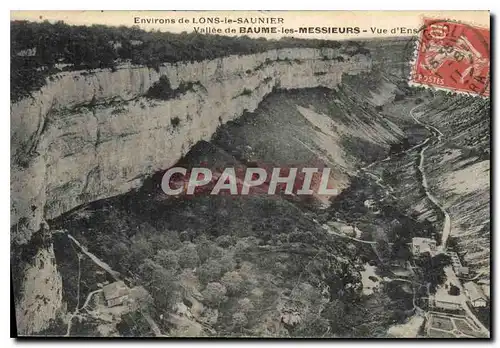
<point>86,136</point>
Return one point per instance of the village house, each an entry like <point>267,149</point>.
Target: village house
<point>421,245</point>
<point>443,300</point>
<point>485,286</point>
<point>475,294</point>
<point>115,293</point>
<point>457,265</point>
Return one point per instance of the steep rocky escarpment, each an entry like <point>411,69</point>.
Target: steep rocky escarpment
<point>86,136</point>
<point>37,283</point>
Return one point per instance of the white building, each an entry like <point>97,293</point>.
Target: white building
<point>475,294</point>
<point>421,245</point>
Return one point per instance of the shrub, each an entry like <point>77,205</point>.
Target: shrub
<point>161,89</point>
<point>399,97</point>
<point>91,47</point>
<point>175,122</point>
<point>246,91</point>
<point>454,290</point>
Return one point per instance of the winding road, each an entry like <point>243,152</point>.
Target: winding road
<point>447,220</point>
<point>446,231</point>
<point>450,273</point>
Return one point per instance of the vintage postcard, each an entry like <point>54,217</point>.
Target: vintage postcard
<point>255,174</point>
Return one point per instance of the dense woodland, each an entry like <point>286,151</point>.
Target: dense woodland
<point>245,274</point>
<point>99,46</point>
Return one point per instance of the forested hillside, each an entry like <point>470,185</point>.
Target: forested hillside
<point>41,49</point>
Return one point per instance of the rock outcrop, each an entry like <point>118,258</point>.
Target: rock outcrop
<point>41,293</point>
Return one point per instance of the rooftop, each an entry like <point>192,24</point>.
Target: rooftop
<point>115,290</point>
<point>422,241</point>
<point>422,245</point>
<point>474,292</point>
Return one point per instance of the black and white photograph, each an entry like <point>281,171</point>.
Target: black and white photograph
<point>250,174</point>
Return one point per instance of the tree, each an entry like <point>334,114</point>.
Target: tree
<point>382,248</point>
<point>188,256</point>
<point>160,89</point>
<point>245,305</point>
<point>209,271</point>
<point>239,319</point>
<point>164,287</point>
<point>225,241</point>
<point>214,293</point>
<point>400,250</point>
<point>454,290</point>
<point>120,254</point>
<point>233,282</point>
<point>140,249</point>
<point>432,269</point>
<point>207,249</point>
<point>335,312</point>
<point>167,259</point>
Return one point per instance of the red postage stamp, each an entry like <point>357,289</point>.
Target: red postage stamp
<point>453,56</point>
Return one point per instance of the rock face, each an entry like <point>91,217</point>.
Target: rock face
<point>41,291</point>
<point>86,136</point>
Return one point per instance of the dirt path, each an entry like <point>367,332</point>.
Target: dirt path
<point>95,259</point>
<point>447,220</point>
<point>116,276</point>
<point>75,312</point>
<point>329,230</point>
<point>89,296</point>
